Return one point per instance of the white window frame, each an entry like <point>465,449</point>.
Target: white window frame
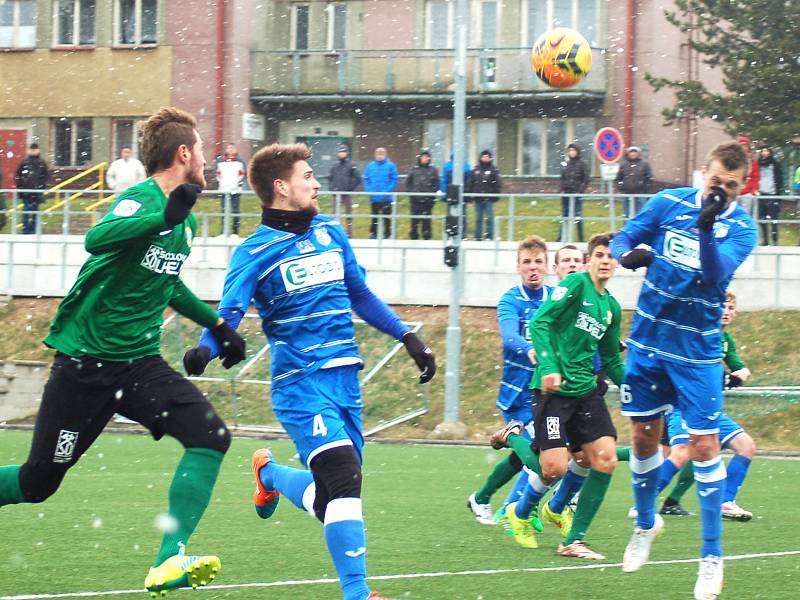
<point>330,10</point>
<point>15,43</point>
<point>476,22</point>
<point>472,139</point>
<point>134,143</point>
<point>550,16</point>
<point>293,36</point>
<point>569,134</point>
<point>76,25</point>
<point>73,144</point>
<point>450,24</point>
<point>138,27</point>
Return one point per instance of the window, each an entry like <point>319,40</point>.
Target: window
<point>481,135</point>
<point>74,22</point>
<point>137,22</point>
<point>488,23</point>
<point>543,144</point>
<point>541,15</point>
<point>73,142</point>
<point>125,134</point>
<point>300,22</point>
<point>439,26</point>
<point>18,23</point>
<point>337,26</point>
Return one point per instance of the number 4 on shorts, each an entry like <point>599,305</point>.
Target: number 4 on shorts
<point>319,426</point>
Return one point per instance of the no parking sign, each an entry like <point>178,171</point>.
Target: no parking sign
<point>608,145</point>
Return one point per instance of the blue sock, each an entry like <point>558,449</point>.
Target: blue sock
<point>710,478</point>
<point>344,534</point>
<point>535,489</point>
<point>518,490</point>
<point>291,482</point>
<point>666,473</point>
<point>737,471</point>
<point>570,485</point>
<point>645,473</point>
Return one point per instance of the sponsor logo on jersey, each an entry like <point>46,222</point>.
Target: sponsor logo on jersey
<point>590,325</point>
<point>559,293</point>
<point>305,246</point>
<point>312,270</point>
<point>322,235</point>
<point>125,208</point>
<point>159,260</point>
<point>682,249</point>
<point>65,446</point>
<point>683,217</point>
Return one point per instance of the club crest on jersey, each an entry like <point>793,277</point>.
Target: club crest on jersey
<point>305,246</point>
<point>312,270</point>
<point>559,293</point>
<point>721,229</point>
<point>322,235</point>
<point>682,249</point>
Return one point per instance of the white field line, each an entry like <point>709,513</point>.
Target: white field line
<point>294,582</point>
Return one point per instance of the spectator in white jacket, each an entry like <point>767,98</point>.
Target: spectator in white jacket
<point>125,171</point>
<point>231,173</point>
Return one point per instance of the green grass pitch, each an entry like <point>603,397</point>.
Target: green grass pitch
<point>97,534</point>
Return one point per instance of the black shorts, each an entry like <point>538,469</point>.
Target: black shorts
<point>82,394</point>
<point>581,419</point>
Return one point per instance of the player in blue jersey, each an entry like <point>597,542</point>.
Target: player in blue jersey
<point>697,239</point>
<point>300,272</point>
<point>514,311</point>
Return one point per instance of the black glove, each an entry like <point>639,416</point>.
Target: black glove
<point>732,381</point>
<point>602,384</point>
<point>180,203</point>
<point>196,360</point>
<point>713,205</point>
<point>422,355</point>
<point>231,344</point>
<point>638,257</point>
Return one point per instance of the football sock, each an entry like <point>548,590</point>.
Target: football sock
<point>344,534</point>
<point>685,481</point>
<point>522,447</point>
<point>710,478</point>
<point>666,473</point>
<point>645,473</point>
<point>737,471</point>
<point>10,490</point>
<point>518,490</point>
<point>592,495</point>
<point>189,495</point>
<point>624,454</point>
<point>502,473</point>
<point>534,490</point>
<point>571,483</point>
<point>293,483</point>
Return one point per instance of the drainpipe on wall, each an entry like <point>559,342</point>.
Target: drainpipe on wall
<point>630,42</point>
<point>219,115</point>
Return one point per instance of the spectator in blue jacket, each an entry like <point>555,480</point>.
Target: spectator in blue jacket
<point>447,179</point>
<point>380,176</point>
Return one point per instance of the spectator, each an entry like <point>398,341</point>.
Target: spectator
<point>423,178</point>
<point>484,179</point>
<point>125,171</point>
<point>634,177</point>
<point>447,179</point>
<point>574,180</point>
<point>380,176</point>
<point>751,185</point>
<point>344,177</point>
<point>31,175</point>
<point>231,173</point>
<point>770,183</point>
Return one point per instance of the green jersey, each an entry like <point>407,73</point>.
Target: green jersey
<point>729,354</point>
<point>115,309</point>
<point>573,324</point>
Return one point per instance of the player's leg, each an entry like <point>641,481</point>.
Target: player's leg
<point>678,438</point>
<point>672,504</point>
<point>734,437</point>
<point>74,410</point>
<point>571,483</point>
<point>521,487</point>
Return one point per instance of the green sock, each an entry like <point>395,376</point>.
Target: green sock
<point>624,454</point>
<point>522,447</point>
<point>10,492</point>
<point>502,473</point>
<point>592,493</point>
<point>189,495</point>
<point>685,481</point>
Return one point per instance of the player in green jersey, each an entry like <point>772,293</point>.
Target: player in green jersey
<point>579,319</point>
<point>106,336</point>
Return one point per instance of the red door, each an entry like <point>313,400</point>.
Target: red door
<point>13,146</point>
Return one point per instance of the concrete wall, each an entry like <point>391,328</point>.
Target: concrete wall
<point>21,385</point>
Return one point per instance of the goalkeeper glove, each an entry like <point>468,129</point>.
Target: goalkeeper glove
<point>422,355</point>
<point>231,344</point>
<point>196,360</point>
<point>713,205</point>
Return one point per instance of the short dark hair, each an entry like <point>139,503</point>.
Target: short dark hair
<point>599,239</point>
<point>125,147</point>
<point>273,162</point>
<point>566,247</point>
<point>731,155</point>
<point>162,134</point>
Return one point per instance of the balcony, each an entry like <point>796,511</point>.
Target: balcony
<point>410,75</point>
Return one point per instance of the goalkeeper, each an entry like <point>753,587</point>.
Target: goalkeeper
<point>106,335</point>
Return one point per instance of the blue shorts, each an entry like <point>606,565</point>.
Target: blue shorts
<point>654,386</point>
<point>522,413</point>
<point>321,411</point>
<point>676,429</point>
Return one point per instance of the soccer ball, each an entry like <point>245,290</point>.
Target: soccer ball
<point>561,57</point>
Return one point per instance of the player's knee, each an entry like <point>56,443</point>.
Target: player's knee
<point>605,463</point>
<point>553,469</point>
<point>337,474</point>
<point>39,481</point>
<point>704,447</point>
<point>744,445</point>
<point>645,437</point>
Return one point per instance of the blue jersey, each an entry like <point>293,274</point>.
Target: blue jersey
<point>678,314</point>
<point>515,309</point>
<point>304,287</point>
